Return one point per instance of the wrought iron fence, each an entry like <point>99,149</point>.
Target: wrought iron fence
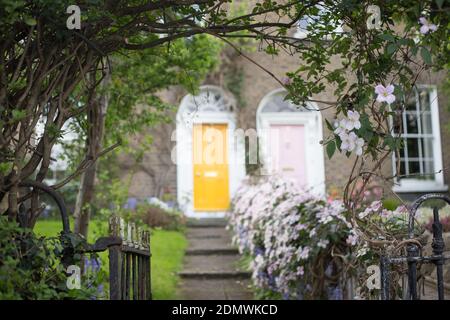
<point>128,247</point>
<point>414,255</point>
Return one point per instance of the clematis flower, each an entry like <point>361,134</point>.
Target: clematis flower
<point>353,120</point>
<point>426,27</point>
<point>347,143</point>
<point>341,127</point>
<point>349,123</point>
<point>352,239</point>
<point>359,143</point>
<point>323,243</point>
<point>352,142</point>
<point>385,94</point>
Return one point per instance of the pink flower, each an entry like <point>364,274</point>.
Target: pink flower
<point>426,27</point>
<point>385,94</point>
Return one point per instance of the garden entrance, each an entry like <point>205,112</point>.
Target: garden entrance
<point>128,247</point>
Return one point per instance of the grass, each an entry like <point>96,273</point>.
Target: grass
<point>167,253</point>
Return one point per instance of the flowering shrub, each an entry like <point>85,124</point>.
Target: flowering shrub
<point>304,247</point>
<point>295,239</point>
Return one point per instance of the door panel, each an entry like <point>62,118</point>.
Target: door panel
<point>210,158</point>
<point>287,150</point>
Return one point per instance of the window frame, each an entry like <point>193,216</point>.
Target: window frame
<point>422,185</point>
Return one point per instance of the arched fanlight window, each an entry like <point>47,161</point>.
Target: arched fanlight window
<point>209,99</point>
<point>277,102</point>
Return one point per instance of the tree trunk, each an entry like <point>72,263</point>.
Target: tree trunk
<point>85,196</point>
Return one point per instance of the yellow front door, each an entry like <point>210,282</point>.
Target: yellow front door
<point>210,160</point>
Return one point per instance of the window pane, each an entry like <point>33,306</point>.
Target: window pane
<point>428,168</point>
<point>424,99</point>
<point>414,167</point>
<point>411,103</point>
<point>426,123</point>
<point>402,168</point>
<point>411,123</point>
<point>397,123</point>
<point>413,147</point>
<point>427,148</point>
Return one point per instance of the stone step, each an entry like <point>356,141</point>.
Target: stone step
<point>206,223</point>
<point>209,243</point>
<point>199,233</point>
<point>216,263</point>
<point>193,274</point>
<point>212,251</point>
<point>215,289</point>
<point>205,237</point>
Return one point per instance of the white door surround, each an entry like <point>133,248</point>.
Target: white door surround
<point>211,105</point>
<point>274,110</point>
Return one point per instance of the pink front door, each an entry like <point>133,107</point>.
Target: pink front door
<point>287,150</point>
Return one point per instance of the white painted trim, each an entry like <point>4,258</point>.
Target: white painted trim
<point>312,120</point>
<point>418,185</point>
<point>184,152</point>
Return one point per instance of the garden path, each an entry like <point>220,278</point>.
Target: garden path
<point>211,266</point>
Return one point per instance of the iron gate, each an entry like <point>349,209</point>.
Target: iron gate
<point>128,247</point>
<point>414,256</point>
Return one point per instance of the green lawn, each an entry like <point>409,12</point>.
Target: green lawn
<point>167,253</point>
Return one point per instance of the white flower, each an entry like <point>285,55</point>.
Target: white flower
<point>349,123</point>
<point>353,120</point>
<point>352,239</point>
<point>312,232</point>
<point>341,127</point>
<point>323,243</point>
<point>365,213</point>
<point>359,143</point>
<point>426,27</point>
<point>303,253</point>
<point>374,206</point>
<point>347,143</point>
<point>385,94</point>
<point>362,252</point>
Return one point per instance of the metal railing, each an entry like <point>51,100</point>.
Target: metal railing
<point>413,256</point>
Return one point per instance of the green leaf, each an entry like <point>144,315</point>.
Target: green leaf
<point>391,48</point>
<point>331,148</point>
<point>387,36</point>
<point>426,55</point>
<point>329,126</point>
<point>30,21</point>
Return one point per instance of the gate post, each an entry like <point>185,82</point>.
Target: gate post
<point>115,261</point>
<point>438,246</point>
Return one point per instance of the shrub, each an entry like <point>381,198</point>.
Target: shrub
<point>303,247</point>
<point>294,239</point>
<point>157,217</point>
<point>30,267</point>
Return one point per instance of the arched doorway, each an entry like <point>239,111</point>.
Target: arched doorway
<point>207,154</point>
<point>290,138</point>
